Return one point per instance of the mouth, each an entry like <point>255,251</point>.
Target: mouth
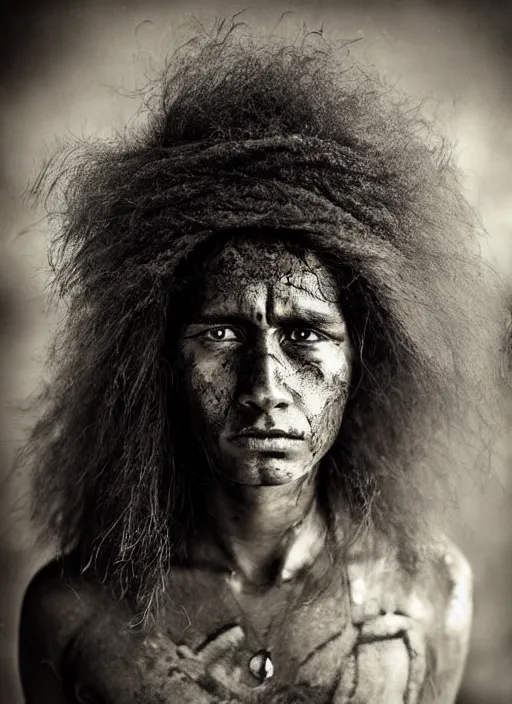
<point>267,441</point>
<point>272,433</point>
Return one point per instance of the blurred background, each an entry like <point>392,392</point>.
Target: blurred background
<point>72,68</point>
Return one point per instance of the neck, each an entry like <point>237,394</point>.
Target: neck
<point>268,532</point>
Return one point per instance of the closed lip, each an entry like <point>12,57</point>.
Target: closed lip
<point>271,441</point>
<point>271,433</point>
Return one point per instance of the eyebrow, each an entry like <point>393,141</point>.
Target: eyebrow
<point>304,317</point>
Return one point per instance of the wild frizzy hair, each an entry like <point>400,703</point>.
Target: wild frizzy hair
<point>294,139</point>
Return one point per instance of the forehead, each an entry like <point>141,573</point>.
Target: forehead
<point>248,267</point>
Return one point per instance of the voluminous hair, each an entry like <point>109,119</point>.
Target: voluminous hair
<point>282,137</point>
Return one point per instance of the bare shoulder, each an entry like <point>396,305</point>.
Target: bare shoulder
<point>439,589</point>
<point>454,580</point>
<point>56,605</point>
<point>430,607</point>
<point>55,609</point>
<point>458,607</point>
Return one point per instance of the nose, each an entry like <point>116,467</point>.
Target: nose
<point>263,386</point>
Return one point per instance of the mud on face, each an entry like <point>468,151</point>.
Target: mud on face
<point>266,360</point>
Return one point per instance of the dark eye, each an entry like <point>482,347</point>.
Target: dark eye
<point>304,335</point>
<point>221,334</point>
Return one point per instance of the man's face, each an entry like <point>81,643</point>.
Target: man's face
<point>267,363</point>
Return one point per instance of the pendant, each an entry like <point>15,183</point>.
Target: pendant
<point>261,665</point>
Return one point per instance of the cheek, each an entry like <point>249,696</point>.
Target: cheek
<point>211,383</point>
<point>324,384</point>
<point>327,389</point>
<point>326,425</point>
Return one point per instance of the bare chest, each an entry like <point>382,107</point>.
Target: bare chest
<point>309,637</point>
<point>294,624</point>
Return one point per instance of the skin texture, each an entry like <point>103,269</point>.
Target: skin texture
<point>267,349</point>
<point>295,139</point>
<point>288,137</point>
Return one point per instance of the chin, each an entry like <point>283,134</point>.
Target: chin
<point>270,472</point>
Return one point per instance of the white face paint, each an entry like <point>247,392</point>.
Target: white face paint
<point>267,363</point>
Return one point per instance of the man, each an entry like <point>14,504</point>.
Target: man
<point>273,309</point>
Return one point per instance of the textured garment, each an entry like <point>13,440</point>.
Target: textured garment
<point>370,635</point>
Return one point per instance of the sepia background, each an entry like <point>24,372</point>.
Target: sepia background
<point>72,68</point>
